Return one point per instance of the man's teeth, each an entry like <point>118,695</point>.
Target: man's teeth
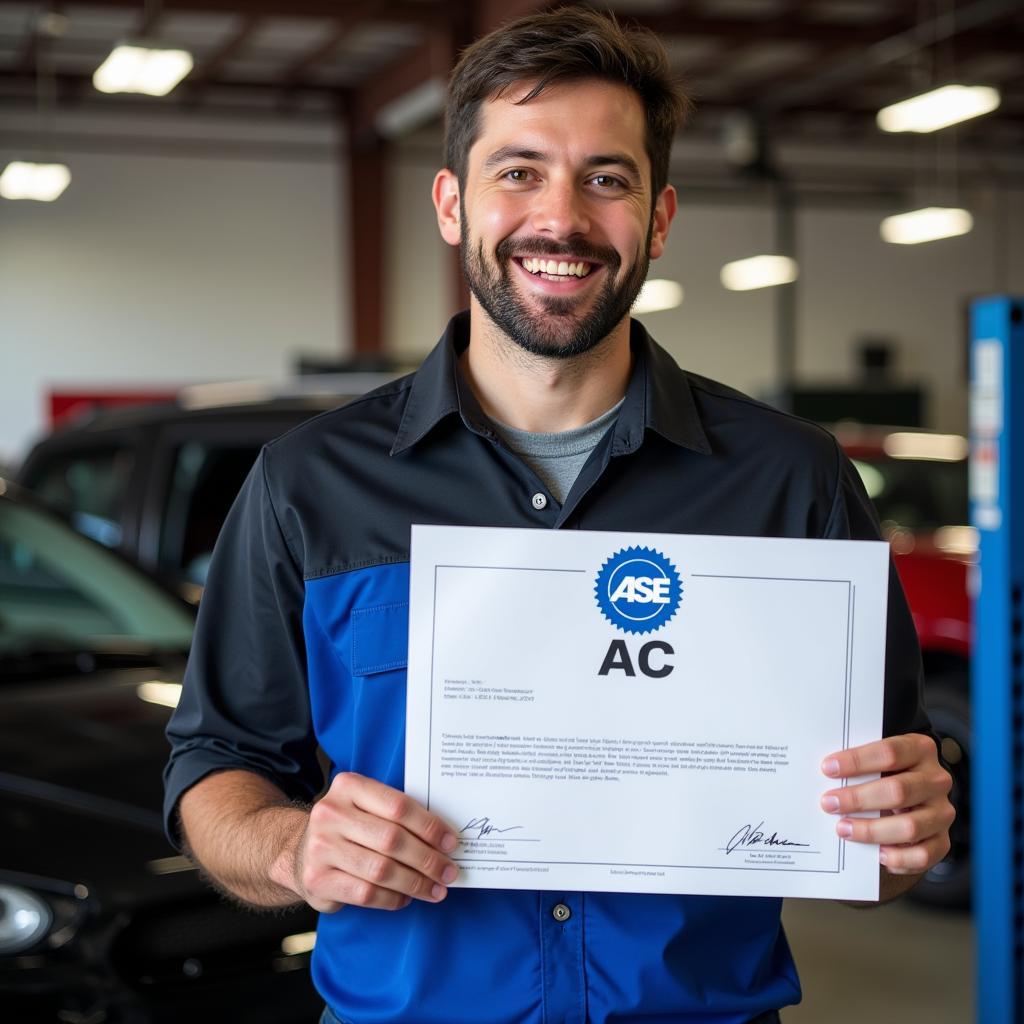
<point>556,268</point>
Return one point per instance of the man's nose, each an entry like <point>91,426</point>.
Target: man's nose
<point>561,211</point>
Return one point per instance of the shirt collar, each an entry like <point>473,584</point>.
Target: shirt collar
<point>658,396</point>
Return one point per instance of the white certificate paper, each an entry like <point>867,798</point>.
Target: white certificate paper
<point>643,712</point>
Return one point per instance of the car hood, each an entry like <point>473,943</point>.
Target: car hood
<point>80,773</point>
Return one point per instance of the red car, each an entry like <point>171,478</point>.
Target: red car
<point>918,482</point>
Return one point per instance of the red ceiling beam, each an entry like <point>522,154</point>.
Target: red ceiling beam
<point>420,11</point>
<point>213,65</point>
<point>491,14</point>
<point>367,174</point>
<point>346,20</point>
<point>433,58</point>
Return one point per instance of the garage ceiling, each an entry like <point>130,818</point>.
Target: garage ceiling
<point>804,68</point>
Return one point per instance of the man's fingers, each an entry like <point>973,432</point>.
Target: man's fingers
<point>391,843</point>
<point>358,892</point>
<point>910,827</point>
<point>393,805</point>
<point>892,754</point>
<point>890,793</point>
<point>384,872</point>
<point>912,860</point>
<point>336,872</point>
<point>394,842</point>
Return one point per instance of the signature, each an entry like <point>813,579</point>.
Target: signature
<point>484,827</point>
<point>753,835</point>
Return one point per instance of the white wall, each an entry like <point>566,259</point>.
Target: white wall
<point>419,264</point>
<point>156,270</point>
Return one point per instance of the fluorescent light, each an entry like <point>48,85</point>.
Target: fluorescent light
<point>411,110</point>
<point>658,294</point>
<point>758,272</point>
<point>156,692</point>
<point>938,109</point>
<point>302,942</point>
<point>957,540</point>
<point>926,225</point>
<point>934,447</point>
<point>170,865</point>
<point>42,182</point>
<point>142,69</point>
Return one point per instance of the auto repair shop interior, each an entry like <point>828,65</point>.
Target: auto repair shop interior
<point>190,267</point>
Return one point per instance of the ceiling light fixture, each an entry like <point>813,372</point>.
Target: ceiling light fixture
<point>905,444</point>
<point>926,225</point>
<point>156,691</point>
<point>40,179</point>
<point>658,294</point>
<point>22,179</point>
<point>302,942</point>
<point>938,108</point>
<point>142,69</point>
<point>759,272</point>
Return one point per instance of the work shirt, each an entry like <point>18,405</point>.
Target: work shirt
<point>302,640</point>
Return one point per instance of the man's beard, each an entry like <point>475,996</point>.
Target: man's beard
<point>557,331</point>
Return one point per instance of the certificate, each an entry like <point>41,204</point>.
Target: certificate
<point>643,712</point>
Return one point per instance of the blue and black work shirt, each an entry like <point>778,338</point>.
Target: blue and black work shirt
<point>302,641</point>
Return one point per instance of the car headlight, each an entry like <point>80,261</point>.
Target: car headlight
<point>24,919</point>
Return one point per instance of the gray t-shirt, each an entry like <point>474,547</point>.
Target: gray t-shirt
<point>558,458</point>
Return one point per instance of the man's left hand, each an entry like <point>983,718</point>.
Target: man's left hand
<point>913,830</point>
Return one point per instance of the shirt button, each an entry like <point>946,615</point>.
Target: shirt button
<point>539,501</point>
<point>561,913</point>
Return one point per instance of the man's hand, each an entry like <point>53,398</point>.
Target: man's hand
<point>913,830</point>
<point>368,845</point>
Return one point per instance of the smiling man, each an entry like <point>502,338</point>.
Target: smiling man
<point>545,407</point>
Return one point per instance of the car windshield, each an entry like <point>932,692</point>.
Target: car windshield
<point>59,591</point>
<point>916,494</point>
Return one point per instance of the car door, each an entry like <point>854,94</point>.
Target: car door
<point>96,479</point>
<point>197,472</point>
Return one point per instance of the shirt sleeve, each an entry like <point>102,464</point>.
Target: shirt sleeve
<point>245,702</point>
<point>853,518</point>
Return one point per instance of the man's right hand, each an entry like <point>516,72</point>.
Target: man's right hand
<point>368,845</point>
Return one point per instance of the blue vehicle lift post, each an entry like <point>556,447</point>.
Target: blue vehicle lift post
<point>997,674</point>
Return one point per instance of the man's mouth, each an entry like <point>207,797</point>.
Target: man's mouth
<point>555,270</point>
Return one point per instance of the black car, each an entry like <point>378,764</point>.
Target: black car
<point>157,481</point>
<point>100,918</point>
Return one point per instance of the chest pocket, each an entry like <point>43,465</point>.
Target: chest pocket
<point>380,638</point>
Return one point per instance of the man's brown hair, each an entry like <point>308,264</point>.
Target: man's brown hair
<point>561,45</point>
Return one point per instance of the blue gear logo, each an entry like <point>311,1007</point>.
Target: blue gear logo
<point>638,590</point>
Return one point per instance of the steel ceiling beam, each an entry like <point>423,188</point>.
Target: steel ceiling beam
<point>924,34</point>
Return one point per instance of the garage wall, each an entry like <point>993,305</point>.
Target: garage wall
<point>420,264</point>
<point>161,268</point>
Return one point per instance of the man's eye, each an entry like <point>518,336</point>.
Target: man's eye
<point>518,174</point>
<point>606,181</point>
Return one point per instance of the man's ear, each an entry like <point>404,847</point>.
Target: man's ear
<point>664,211</point>
<point>446,202</point>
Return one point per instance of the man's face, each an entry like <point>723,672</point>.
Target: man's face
<point>556,220</point>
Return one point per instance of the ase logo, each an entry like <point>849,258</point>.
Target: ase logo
<point>638,590</point>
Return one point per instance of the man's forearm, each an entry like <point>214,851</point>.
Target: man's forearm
<point>245,834</point>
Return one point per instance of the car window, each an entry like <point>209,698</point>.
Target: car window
<point>916,494</point>
<point>205,480</point>
<point>58,589</point>
<point>90,487</point>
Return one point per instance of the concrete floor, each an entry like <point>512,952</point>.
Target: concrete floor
<point>897,963</point>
